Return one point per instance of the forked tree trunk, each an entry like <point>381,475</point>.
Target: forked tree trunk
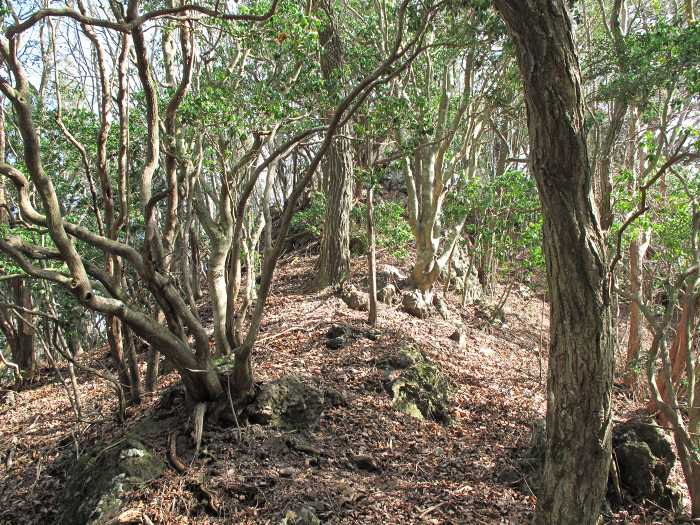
<point>679,352</point>
<point>580,375</point>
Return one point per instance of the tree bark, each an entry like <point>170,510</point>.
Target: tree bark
<point>23,352</point>
<point>580,375</point>
<point>334,259</point>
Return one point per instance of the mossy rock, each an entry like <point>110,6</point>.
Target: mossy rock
<point>287,403</point>
<point>301,516</point>
<point>97,482</point>
<point>421,390</point>
<point>645,457</point>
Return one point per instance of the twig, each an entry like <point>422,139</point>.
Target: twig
<point>292,329</point>
<point>431,509</point>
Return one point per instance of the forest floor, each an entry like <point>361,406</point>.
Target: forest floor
<point>425,472</point>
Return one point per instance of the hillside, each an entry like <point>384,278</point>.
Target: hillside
<point>365,463</point>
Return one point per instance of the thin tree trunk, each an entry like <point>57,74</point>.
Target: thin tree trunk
<point>116,347</point>
<point>679,352</point>
<point>134,371</point>
<point>196,263</point>
<point>580,376</point>
<point>637,252</point>
<point>371,258</point>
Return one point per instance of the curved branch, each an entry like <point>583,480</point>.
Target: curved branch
<point>39,15</point>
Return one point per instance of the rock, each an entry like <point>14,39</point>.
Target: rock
<point>287,403</point>
<point>404,358</point>
<point>274,446</point>
<point>459,338</point>
<point>421,390</point>
<point>10,398</point>
<point>389,294</point>
<point>364,462</point>
<point>462,275</point>
<point>298,444</point>
<point>488,352</point>
<point>335,398</point>
<point>354,298</point>
<point>441,306</point>
<point>414,304</point>
<point>338,330</point>
<point>388,274</point>
<point>339,336</point>
<point>97,483</point>
<point>645,458</point>
<point>301,516</point>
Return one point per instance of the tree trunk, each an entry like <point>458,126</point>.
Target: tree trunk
<point>334,259</point>
<point>134,371</point>
<point>23,352</point>
<point>115,338</point>
<point>638,249</point>
<point>580,375</point>
<point>371,258</point>
<point>196,263</point>
<point>679,352</point>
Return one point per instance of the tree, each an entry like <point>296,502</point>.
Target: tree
<point>337,166</point>
<point>579,386</point>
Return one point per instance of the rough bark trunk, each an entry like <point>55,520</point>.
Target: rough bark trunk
<point>579,416</point>
<point>23,351</point>
<point>334,259</point>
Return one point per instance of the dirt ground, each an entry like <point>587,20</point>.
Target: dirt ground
<point>425,472</point>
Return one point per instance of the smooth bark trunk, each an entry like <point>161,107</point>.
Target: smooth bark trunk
<point>371,258</point>
<point>637,252</point>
